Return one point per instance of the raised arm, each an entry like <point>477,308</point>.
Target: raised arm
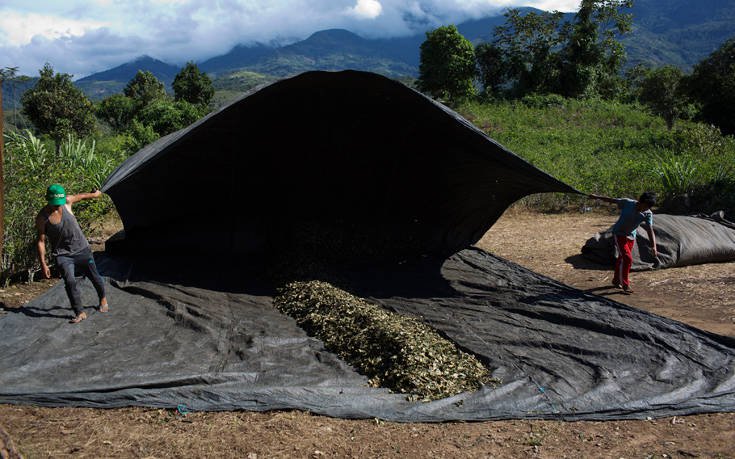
<point>603,198</point>
<point>74,198</point>
<point>41,246</point>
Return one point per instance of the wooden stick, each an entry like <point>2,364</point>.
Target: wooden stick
<point>2,175</point>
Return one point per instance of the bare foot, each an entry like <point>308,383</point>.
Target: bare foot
<point>82,315</point>
<point>104,307</point>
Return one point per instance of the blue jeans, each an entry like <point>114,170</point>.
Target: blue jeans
<point>80,264</point>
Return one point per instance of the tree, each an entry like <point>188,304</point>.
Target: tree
<point>633,79</point>
<point>138,136</point>
<point>117,111</point>
<point>661,92</point>
<point>712,84</point>
<point>58,108</point>
<point>447,67</point>
<point>528,42</point>
<point>491,67</point>
<point>590,63</point>
<point>144,88</point>
<point>193,86</point>
<point>166,116</point>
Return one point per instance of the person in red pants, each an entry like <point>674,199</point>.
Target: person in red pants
<point>632,214</point>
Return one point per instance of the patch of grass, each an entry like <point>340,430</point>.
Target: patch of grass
<point>534,440</point>
<point>609,147</point>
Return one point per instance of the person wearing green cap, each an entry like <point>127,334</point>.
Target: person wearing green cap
<point>72,252</point>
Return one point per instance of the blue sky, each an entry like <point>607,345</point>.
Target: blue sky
<point>81,37</point>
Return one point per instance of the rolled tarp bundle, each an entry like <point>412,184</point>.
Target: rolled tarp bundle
<point>681,240</point>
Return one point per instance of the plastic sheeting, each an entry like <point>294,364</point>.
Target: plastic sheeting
<point>680,240</point>
<point>561,353</point>
<point>340,153</point>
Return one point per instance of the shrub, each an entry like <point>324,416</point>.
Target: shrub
<point>138,136</point>
<point>117,111</point>
<point>703,140</point>
<point>165,116</point>
<point>543,100</point>
<point>678,175</point>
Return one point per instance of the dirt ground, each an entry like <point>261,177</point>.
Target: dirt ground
<point>702,296</point>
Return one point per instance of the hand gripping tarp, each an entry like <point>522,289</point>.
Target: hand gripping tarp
<point>373,164</point>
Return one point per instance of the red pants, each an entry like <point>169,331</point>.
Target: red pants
<point>624,260</point>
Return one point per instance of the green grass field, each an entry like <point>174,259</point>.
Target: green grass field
<point>613,148</point>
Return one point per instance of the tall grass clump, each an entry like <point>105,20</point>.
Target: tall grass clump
<point>678,175</point>
<point>30,166</point>
<point>613,148</point>
<point>697,172</point>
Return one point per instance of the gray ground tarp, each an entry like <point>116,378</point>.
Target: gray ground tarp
<point>560,352</point>
<point>681,241</point>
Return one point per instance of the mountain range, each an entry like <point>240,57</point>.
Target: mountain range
<point>677,32</point>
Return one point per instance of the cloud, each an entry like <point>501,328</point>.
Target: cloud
<point>77,55</point>
<point>368,9</point>
<point>558,5</point>
<point>85,36</point>
<point>18,28</point>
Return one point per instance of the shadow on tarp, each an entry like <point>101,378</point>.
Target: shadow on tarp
<point>30,311</point>
<point>217,274</point>
<point>257,275</point>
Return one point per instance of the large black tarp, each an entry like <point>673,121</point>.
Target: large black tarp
<point>345,152</point>
<point>383,189</point>
<point>681,241</point>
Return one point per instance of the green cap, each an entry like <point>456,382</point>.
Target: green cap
<point>56,195</point>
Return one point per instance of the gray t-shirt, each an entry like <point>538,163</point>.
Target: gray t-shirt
<point>66,237</point>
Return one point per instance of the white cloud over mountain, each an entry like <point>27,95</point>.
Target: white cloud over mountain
<point>368,9</point>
